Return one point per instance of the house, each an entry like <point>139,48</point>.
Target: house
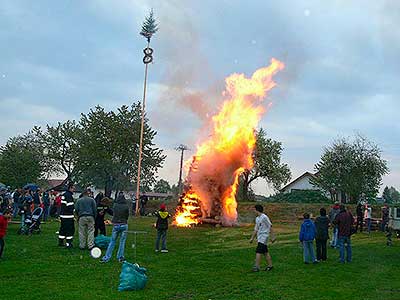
<point>303,183</point>
<point>300,183</point>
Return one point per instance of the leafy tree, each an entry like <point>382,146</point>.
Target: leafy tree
<point>395,195</point>
<point>61,144</point>
<point>175,189</point>
<point>267,165</point>
<point>386,195</point>
<point>108,149</point>
<point>149,26</point>
<point>162,186</point>
<point>22,159</point>
<point>354,168</point>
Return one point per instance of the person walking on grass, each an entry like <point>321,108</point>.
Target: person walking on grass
<point>4,218</point>
<point>367,217</point>
<point>262,229</point>
<point>344,220</point>
<point>120,228</point>
<point>306,236</point>
<point>85,208</point>
<point>322,235</point>
<point>162,227</point>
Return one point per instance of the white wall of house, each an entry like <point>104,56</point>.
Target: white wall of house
<point>301,184</point>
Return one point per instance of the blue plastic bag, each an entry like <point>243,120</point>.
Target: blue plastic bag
<point>102,241</point>
<point>132,278</point>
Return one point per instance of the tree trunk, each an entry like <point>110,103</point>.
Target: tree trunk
<point>108,188</point>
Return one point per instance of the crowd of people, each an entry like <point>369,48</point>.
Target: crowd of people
<point>25,200</point>
<point>339,219</point>
<point>90,212</point>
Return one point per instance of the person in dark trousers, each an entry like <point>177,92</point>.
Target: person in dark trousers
<point>360,217</point>
<point>67,227</point>
<point>344,220</point>
<point>120,228</point>
<point>36,198</point>
<point>4,218</point>
<point>143,202</point>
<point>103,208</point>
<point>306,237</point>
<point>46,204</point>
<point>322,235</point>
<point>16,197</point>
<point>385,217</point>
<point>162,227</point>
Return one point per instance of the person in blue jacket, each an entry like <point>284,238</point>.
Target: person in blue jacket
<point>306,237</point>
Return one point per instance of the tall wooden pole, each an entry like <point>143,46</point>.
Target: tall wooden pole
<point>141,135</point>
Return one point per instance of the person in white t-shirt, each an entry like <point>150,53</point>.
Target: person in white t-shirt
<point>368,216</point>
<point>262,229</point>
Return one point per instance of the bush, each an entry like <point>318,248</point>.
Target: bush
<point>301,196</point>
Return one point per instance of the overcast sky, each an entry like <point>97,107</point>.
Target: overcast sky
<point>60,58</point>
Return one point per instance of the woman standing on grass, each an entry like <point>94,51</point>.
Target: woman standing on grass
<point>120,228</point>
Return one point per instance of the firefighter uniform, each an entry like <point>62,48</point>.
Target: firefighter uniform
<point>67,227</point>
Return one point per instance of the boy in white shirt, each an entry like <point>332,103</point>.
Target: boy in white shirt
<point>263,229</point>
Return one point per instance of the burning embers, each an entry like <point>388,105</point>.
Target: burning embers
<point>213,177</point>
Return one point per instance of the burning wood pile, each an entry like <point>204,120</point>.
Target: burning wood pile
<point>210,187</point>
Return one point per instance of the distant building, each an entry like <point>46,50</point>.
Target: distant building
<point>301,183</point>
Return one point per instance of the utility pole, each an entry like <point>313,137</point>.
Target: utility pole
<point>181,148</point>
<point>149,27</point>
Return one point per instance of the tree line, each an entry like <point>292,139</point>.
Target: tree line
<point>99,149</point>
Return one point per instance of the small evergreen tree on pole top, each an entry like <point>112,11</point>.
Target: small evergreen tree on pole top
<point>149,26</point>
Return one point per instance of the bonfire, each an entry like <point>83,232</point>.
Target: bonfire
<point>213,176</point>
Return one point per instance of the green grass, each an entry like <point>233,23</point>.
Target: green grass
<point>203,263</point>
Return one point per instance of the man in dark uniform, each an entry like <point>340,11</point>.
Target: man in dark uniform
<point>67,227</point>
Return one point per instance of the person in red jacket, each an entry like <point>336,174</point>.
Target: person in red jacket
<point>4,217</point>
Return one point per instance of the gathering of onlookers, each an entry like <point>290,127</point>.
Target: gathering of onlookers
<point>343,227</point>
<point>90,214</point>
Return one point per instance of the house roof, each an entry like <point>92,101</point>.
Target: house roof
<point>297,179</point>
<point>55,182</point>
<point>157,195</point>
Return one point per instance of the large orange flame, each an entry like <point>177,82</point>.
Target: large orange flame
<point>213,177</point>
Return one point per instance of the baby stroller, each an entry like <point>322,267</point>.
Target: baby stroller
<point>31,222</point>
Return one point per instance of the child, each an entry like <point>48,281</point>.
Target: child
<point>3,228</point>
<point>262,229</point>
<point>162,227</point>
<point>306,237</point>
<point>321,224</point>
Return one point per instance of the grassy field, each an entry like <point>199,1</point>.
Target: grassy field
<point>203,263</point>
